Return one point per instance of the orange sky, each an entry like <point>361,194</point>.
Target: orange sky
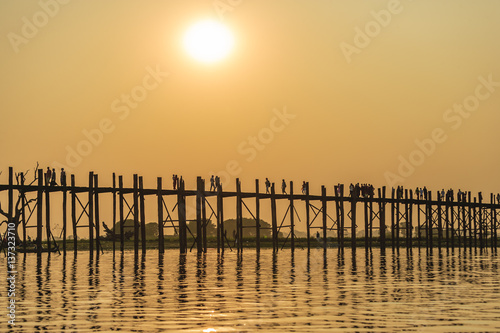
<point>383,92</point>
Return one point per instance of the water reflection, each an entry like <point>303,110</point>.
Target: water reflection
<point>373,289</point>
<point>182,296</point>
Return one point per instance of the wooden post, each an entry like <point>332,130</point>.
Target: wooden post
<point>91,213</point>
<point>460,229</point>
<point>474,219</point>
<point>429,220</point>
<point>23,212</point>
<point>463,215</point>
<point>47,215</point>
<point>161,241</point>
<point>220,220</point>
<point>143,215</point>
<point>73,214</point>
<point>397,221</point>
<point>353,220</point>
<point>493,224</point>
<point>469,204</point>
<point>96,213</point>
<point>204,216</point>
<point>494,231</point>
<point>199,233</point>
<point>393,226</point>
<point>382,216</point>
<point>10,195</point>
<point>460,226</point>
<point>257,215</point>
<point>292,213</point>
<point>464,219</point>
<point>323,205</point>
<point>181,211</point>
<point>308,219</point>
<point>482,225</point>
<point>419,226</point>
<point>409,220</point>
<point>440,221</point>
<point>367,222</point>
<point>450,217</point>
<point>370,212</point>
<point>39,212</point>
<point>339,204</point>
<point>64,217</point>
<point>239,216</point>
<point>273,219</point>
<point>447,221</point>
<point>122,222</point>
<point>114,212</point>
<point>219,224</point>
<point>136,215</point>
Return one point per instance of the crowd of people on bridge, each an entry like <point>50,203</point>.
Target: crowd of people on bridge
<point>365,190</point>
<point>355,190</point>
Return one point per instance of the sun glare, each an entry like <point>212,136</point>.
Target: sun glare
<point>208,41</point>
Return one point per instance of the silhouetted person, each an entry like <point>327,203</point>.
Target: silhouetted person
<point>283,186</point>
<point>63,177</point>
<point>53,178</point>
<point>174,181</point>
<point>217,182</point>
<point>48,176</point>
<point>212,183</point>
<point>268,184</point>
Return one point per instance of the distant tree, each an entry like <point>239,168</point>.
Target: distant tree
<point>128,226</point>
<point>229,228</point>
<point>211,228</point>
<point>249,226</point>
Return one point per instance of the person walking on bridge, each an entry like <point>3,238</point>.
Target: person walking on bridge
<point>283,186</point>
<point>268,184</point>
<point>212,183</point>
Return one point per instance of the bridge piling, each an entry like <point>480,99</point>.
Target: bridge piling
<point>39,213</point>
<point>91,212</point>
<point>257,215</point>
<point>161,241</point>
<point>142,215</point>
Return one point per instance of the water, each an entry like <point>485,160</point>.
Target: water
<point>438,291</point>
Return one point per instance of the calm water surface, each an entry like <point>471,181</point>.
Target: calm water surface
<point>438,291</point>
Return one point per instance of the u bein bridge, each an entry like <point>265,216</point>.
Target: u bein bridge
<point>400,220</point>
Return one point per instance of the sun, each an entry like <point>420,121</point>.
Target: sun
<point>208,41</point>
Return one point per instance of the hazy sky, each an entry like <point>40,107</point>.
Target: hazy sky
<point>383,92</point>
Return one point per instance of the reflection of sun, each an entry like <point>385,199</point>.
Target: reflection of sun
<point>208,41</point>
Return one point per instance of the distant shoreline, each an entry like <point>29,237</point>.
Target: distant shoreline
<point>250,243</point>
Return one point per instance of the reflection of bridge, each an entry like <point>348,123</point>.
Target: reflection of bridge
<point>467,222</point>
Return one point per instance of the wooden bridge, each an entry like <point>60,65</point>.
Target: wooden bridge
<point>398,220</point>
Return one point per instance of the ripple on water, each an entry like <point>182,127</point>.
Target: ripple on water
<point>340,292</point>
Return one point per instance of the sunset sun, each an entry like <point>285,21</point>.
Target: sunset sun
<point>208,41</point>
